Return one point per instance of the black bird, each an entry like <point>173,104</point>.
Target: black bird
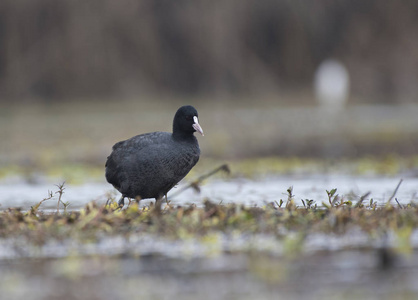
<point>150,164</point>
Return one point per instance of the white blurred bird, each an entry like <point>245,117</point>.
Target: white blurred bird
<point>331,84</point>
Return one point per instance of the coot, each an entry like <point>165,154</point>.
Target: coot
<point>150,164</point>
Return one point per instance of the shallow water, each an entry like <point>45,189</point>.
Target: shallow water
<point>15,192</point>
<point>241,266</point>
<point>335,275</point>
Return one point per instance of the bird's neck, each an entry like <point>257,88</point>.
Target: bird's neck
<point>183,135</point>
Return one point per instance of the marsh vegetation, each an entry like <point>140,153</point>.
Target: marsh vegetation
<point>326,247</point>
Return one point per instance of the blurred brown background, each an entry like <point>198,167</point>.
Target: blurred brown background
<point>53,50</point>
<point>77,76</point>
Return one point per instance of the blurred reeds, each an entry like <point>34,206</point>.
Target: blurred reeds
<point>53,50</point>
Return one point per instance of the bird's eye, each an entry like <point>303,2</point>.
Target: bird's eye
<point>189,118</point>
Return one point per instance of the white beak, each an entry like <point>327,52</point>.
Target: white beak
<point>196,126</point>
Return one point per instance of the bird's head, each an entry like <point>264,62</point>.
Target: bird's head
<point>186,120</point>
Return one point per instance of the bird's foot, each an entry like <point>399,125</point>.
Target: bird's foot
<point>121,202</point>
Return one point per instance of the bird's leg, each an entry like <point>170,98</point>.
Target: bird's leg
<point>158,202</point>
<point>121,201</point>
<point>166,199</point>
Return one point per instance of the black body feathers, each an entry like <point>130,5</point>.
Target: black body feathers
<point>149,165</point>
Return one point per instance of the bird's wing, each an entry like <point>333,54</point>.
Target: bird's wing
<point>138,143</point>
<point>142,141</point>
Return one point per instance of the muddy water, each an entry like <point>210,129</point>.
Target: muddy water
<point>15,192</point>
